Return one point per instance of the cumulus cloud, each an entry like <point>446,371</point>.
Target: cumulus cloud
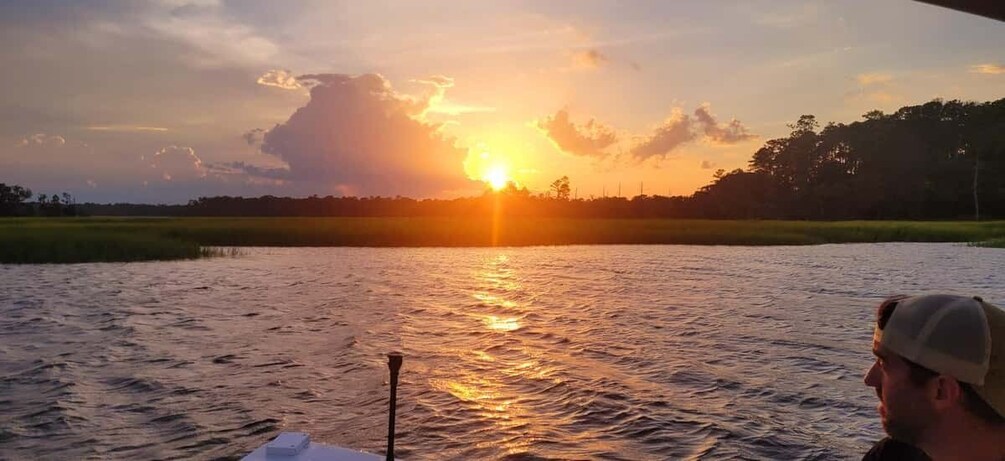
<point>435,100</point>
<point>588,140</point>
<point>676,130</point>
<point>357,135</point>
<point>593,139</point>
<point>42,139</point>
<point>989,69</point>
<point>176,163</point>
<point>589,59</point>
<point>435,97</point>
<point>729,133</point>
<point>279,78</point>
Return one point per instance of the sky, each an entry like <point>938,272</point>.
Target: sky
<point>166,101</point>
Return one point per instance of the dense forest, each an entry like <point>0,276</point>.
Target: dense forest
<point>938,160</point>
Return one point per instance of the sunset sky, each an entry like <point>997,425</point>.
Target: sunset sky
<point>166,101</point>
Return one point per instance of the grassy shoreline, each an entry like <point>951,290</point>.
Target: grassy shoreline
<point>64,240</point>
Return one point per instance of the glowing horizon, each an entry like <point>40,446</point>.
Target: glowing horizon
<point>173,100</point>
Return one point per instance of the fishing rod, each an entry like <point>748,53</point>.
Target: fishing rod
<point>394,360</point>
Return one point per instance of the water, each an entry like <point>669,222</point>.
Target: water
<point>600,352</point>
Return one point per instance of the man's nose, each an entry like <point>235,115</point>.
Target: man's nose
<point>871,376</point>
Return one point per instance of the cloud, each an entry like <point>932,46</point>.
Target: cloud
<point>436,101</point>
<point>279,78</point>
<point>587,140</point>
<point>126,128</point>
<point>593,139</point>
<point>439,81</point>
<point>875,88</point>
<point>707,165</point>
<point>222,40</point>
<point>228,168</point>
<point>254,137</point>
<point>436,96</point>
<point>589,59</point>
<point>42,139</point>
<point>673,132</point>
<point>730,133</point>
<point>989,69</point>
<point>357,135</point>
<point>177,163</point>
<point>873,79</point>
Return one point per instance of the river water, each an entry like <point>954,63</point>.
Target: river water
<point>575,352</point>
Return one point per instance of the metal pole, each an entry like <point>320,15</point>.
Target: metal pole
<point>394,360</point>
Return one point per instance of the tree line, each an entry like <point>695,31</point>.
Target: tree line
<point>938,160</point>
<point>14,201</point>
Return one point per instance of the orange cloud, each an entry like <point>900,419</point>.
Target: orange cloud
<point>873,79</point>
<point>989,69</point>
<point>876,88</point>
<point>730,133</point>
<point>593,139</point>
<point>279,78</point>
<point>588,140</point>
<point>357,134</point>
<point>673,132</point>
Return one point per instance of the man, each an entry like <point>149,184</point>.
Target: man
<point>940,377</point>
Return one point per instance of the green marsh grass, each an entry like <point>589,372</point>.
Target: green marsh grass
<point>36,240</point>
<point>992,243</point>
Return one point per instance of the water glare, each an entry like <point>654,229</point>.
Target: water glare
<point>609,352</point>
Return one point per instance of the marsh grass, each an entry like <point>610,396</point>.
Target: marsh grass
<point>220,252</point>
<point>37,240</point>
<point>55,245</point>
<point>992,243</point>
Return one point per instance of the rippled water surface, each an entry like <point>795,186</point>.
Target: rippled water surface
<point>600,352</point>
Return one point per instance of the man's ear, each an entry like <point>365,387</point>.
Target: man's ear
<point>945,391</point>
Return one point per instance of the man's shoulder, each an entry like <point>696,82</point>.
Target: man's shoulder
<point>890,449</point>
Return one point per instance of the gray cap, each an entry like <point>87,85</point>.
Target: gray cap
<point>954,335</point>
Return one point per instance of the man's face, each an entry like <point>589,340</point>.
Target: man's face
<point>904,407</point>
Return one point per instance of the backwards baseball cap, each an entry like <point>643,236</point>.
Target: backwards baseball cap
<point>954,335</point>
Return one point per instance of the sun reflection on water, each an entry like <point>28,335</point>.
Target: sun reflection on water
<point>493,374</point>
<point>494,300</point>
<point>502,323</point>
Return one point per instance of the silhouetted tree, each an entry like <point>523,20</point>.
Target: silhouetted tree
<point>561,188</point>
<point>12,199</point>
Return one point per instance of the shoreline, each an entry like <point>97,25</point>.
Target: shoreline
<point>99,239</point>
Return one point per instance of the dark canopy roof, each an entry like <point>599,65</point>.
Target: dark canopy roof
<point>994,9</point>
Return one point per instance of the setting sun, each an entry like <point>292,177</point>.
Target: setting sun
<point>496,177</point>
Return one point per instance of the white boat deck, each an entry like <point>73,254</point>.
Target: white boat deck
<point>297,446</point>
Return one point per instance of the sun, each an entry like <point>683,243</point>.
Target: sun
<point>497,177</point>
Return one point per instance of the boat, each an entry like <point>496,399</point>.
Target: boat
<point>297,446</point>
